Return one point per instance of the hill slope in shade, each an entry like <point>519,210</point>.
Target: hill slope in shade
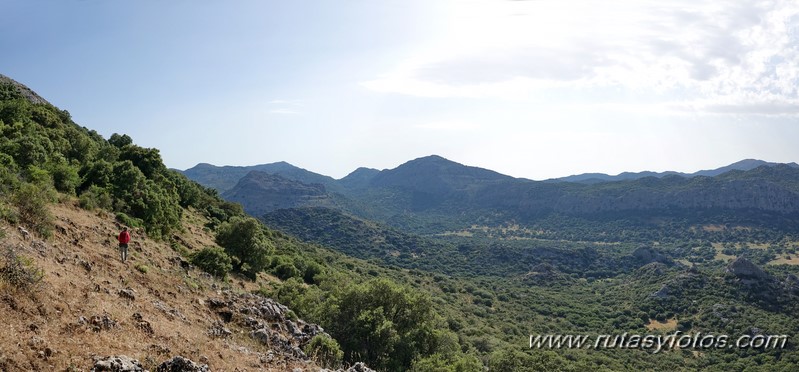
<point>261,192</point>
<point>226,177</point>
<point>359,179</point>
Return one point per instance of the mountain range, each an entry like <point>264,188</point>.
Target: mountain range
<point>746,164</point>
<point>223,178</point>
<point>440,194</point>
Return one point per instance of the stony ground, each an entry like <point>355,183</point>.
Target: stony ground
<point>90,306</point>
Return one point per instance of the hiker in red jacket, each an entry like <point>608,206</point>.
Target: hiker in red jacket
<point>124,238</point>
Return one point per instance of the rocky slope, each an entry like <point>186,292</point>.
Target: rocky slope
<point>90,311</point>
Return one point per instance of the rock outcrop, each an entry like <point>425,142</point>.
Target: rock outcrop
<point>357,367</point>
<point>746,270</point>
<point>269,322</point>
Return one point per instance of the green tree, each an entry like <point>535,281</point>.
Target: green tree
<point>147,160</point>
<point>31,202</point>
<point>383,324</point>
<point>65,176</point>
<point>120,140</point>
<point>243,237</point>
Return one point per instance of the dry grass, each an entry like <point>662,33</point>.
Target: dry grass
<point>461,233</point>
<point>721,256</point>
<point>82,277</point>
<point>685,262</point>
<point>667,326</point>
<point>713,228</point>
<point>784,260</point>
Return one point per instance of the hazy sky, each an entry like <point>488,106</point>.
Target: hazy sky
<point>534,89</point>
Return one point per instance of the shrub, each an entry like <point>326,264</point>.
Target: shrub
<point>311,270</point>
<point>325,351</point>
<point>19,271</point>
<point>213,260</point>
<point>31,202</point>
<point>9,214</point>
<point>284,268</point>
<point>128,220</point>
<point>142,268</point>
<point>443,363</point>
<point>95,197</point>
<point>285,271</point>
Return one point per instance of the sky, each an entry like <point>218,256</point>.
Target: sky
<point>535,89</point>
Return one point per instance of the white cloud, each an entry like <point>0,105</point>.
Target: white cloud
<point>709,56</point>
<point>449,126</point>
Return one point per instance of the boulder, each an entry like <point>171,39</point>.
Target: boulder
<point>119,363</point>
<point>181,364</point>
<point>127,293</point>
<point>360,367</point>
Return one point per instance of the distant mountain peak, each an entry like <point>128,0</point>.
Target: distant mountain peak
<point>364,170</point>
<point>359,178</point>
<point>433,157</point>
<point>435,177</point>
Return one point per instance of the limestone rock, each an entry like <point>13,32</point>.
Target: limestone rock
<point>745,269</point>
<point>119,363</point>
<point>181,364</point>
<point>647,255</point>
